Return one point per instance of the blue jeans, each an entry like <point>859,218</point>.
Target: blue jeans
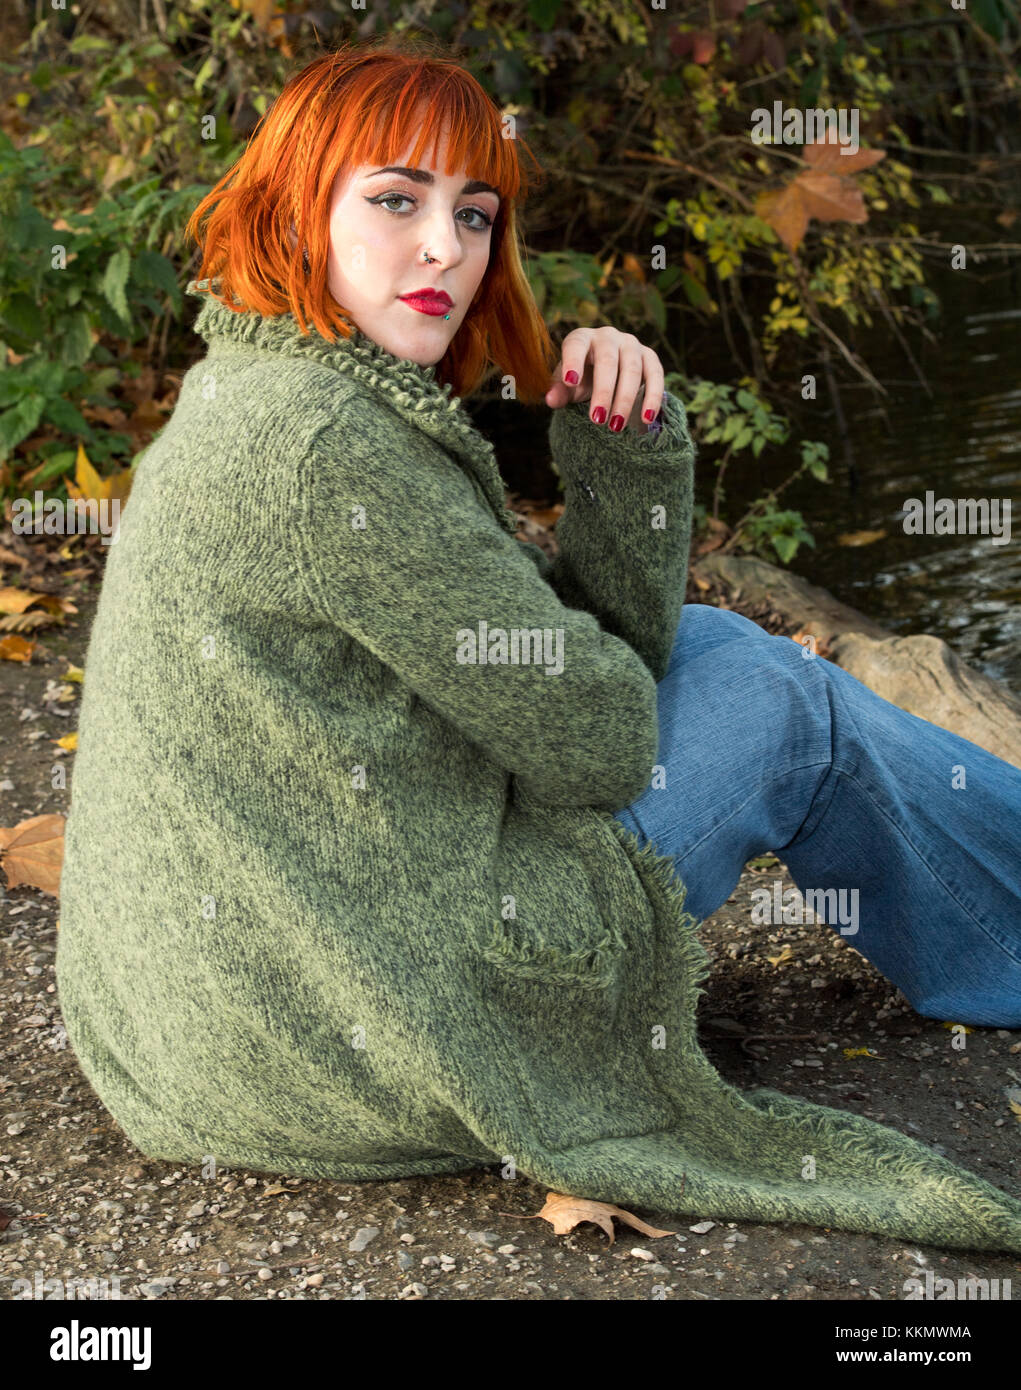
<point>763,747</point>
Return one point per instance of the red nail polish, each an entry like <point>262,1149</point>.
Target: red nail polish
<point>598,415</point>
<point>571,378</point>
<point>617,424</point>
<point>648,414</point>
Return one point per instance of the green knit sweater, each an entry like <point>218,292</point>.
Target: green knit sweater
<point>343,899</point>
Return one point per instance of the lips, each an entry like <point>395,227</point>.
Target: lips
<point>428,301</point>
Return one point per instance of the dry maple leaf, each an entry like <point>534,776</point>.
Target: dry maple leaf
<point>564,1213</point>
<point>823,191</point>
<point>33,853</point>
<point>15,648</point>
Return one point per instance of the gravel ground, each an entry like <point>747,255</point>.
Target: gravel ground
<point>790,1008</point>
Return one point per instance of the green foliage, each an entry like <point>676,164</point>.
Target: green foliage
<point>64,289</point>
<point>738,420</point>
<point>123,116</point>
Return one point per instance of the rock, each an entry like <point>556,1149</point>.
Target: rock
<point>702,1227</point>
<point>362,1237</point>
<point>156,1288</point>
<point>924,676</point>
<point>639,1254</point>
<point>265,1273</point>
<point>487,1238</point>
<point>314,1281</point>
<point>199,1209</point>
<point>804,607</point>
<point>114,1208</point>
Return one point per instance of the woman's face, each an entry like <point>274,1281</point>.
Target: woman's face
<point>381,227</point>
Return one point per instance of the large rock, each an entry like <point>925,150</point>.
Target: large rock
<point>926,677</point>
<point>919,673</point>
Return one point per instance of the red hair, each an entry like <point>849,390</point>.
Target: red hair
<point>358,105</point>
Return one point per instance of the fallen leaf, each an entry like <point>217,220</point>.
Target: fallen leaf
<point>959,1025</point>
<point>69,741</point>
<point>15,648</point>
<point>276,1190</point>
<point>564,1213</point>
<point>17,600</point>
<point>860,537</point>
<point>862,1052</point>
<point>74,673</point>
<point>785,955</point>
<point>33,853</point>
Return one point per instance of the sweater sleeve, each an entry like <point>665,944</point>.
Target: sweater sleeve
<point>624,536</point>
<point>398,551</point>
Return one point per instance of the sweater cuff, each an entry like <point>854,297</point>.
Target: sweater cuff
<point>576,440</point>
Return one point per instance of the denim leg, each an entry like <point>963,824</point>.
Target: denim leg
<point>764,748</point>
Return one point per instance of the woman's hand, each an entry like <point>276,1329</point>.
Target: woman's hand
<point>622,378</point>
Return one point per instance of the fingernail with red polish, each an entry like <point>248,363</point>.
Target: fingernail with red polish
<point>648,415</point>
<point>598,415</point>
<point>617,424</point>
<point>571,378</point>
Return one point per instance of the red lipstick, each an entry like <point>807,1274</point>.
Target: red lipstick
<point>428,301</point>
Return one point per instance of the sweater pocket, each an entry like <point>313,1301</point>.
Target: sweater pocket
<point>562,891</point>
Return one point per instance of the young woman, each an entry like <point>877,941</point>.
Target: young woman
<point>360,878</point>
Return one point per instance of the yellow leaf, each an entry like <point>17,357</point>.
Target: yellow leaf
<point>69,741</point>
<point>785,955</point>
<point>74,673</point>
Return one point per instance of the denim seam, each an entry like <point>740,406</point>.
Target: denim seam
<point>803,767</point>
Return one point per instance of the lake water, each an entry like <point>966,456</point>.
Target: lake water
<point>961,441</point>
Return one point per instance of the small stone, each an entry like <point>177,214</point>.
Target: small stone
<point>314,1281</point>
<point>114,1208</point>
<point>222,1267</point>
<point>702,1227</point>
<point>639,1254</point>
<point>362,1237</point>
<point>265,1272</point>
<point>413,1291</point>
<point>508,1249</point>
<point>405,1261</point>
<point>16,1128</point>
<point>156,1288</point>
<point>657,1269</point>
<point>407,1238</point>
<point>199,1209</point>
<point>487,1238</point>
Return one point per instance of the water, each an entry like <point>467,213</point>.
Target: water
<point>962,441</point>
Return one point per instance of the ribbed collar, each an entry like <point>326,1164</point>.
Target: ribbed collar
<point>409,389</point>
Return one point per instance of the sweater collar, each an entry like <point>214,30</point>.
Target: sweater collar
<point>410,390</point>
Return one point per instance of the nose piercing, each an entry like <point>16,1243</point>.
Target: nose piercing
<point>429,260</point>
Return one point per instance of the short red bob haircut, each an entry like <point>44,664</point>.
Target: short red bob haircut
<point>358,105</point>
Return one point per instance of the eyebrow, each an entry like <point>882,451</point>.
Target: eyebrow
<point>424,176</point>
